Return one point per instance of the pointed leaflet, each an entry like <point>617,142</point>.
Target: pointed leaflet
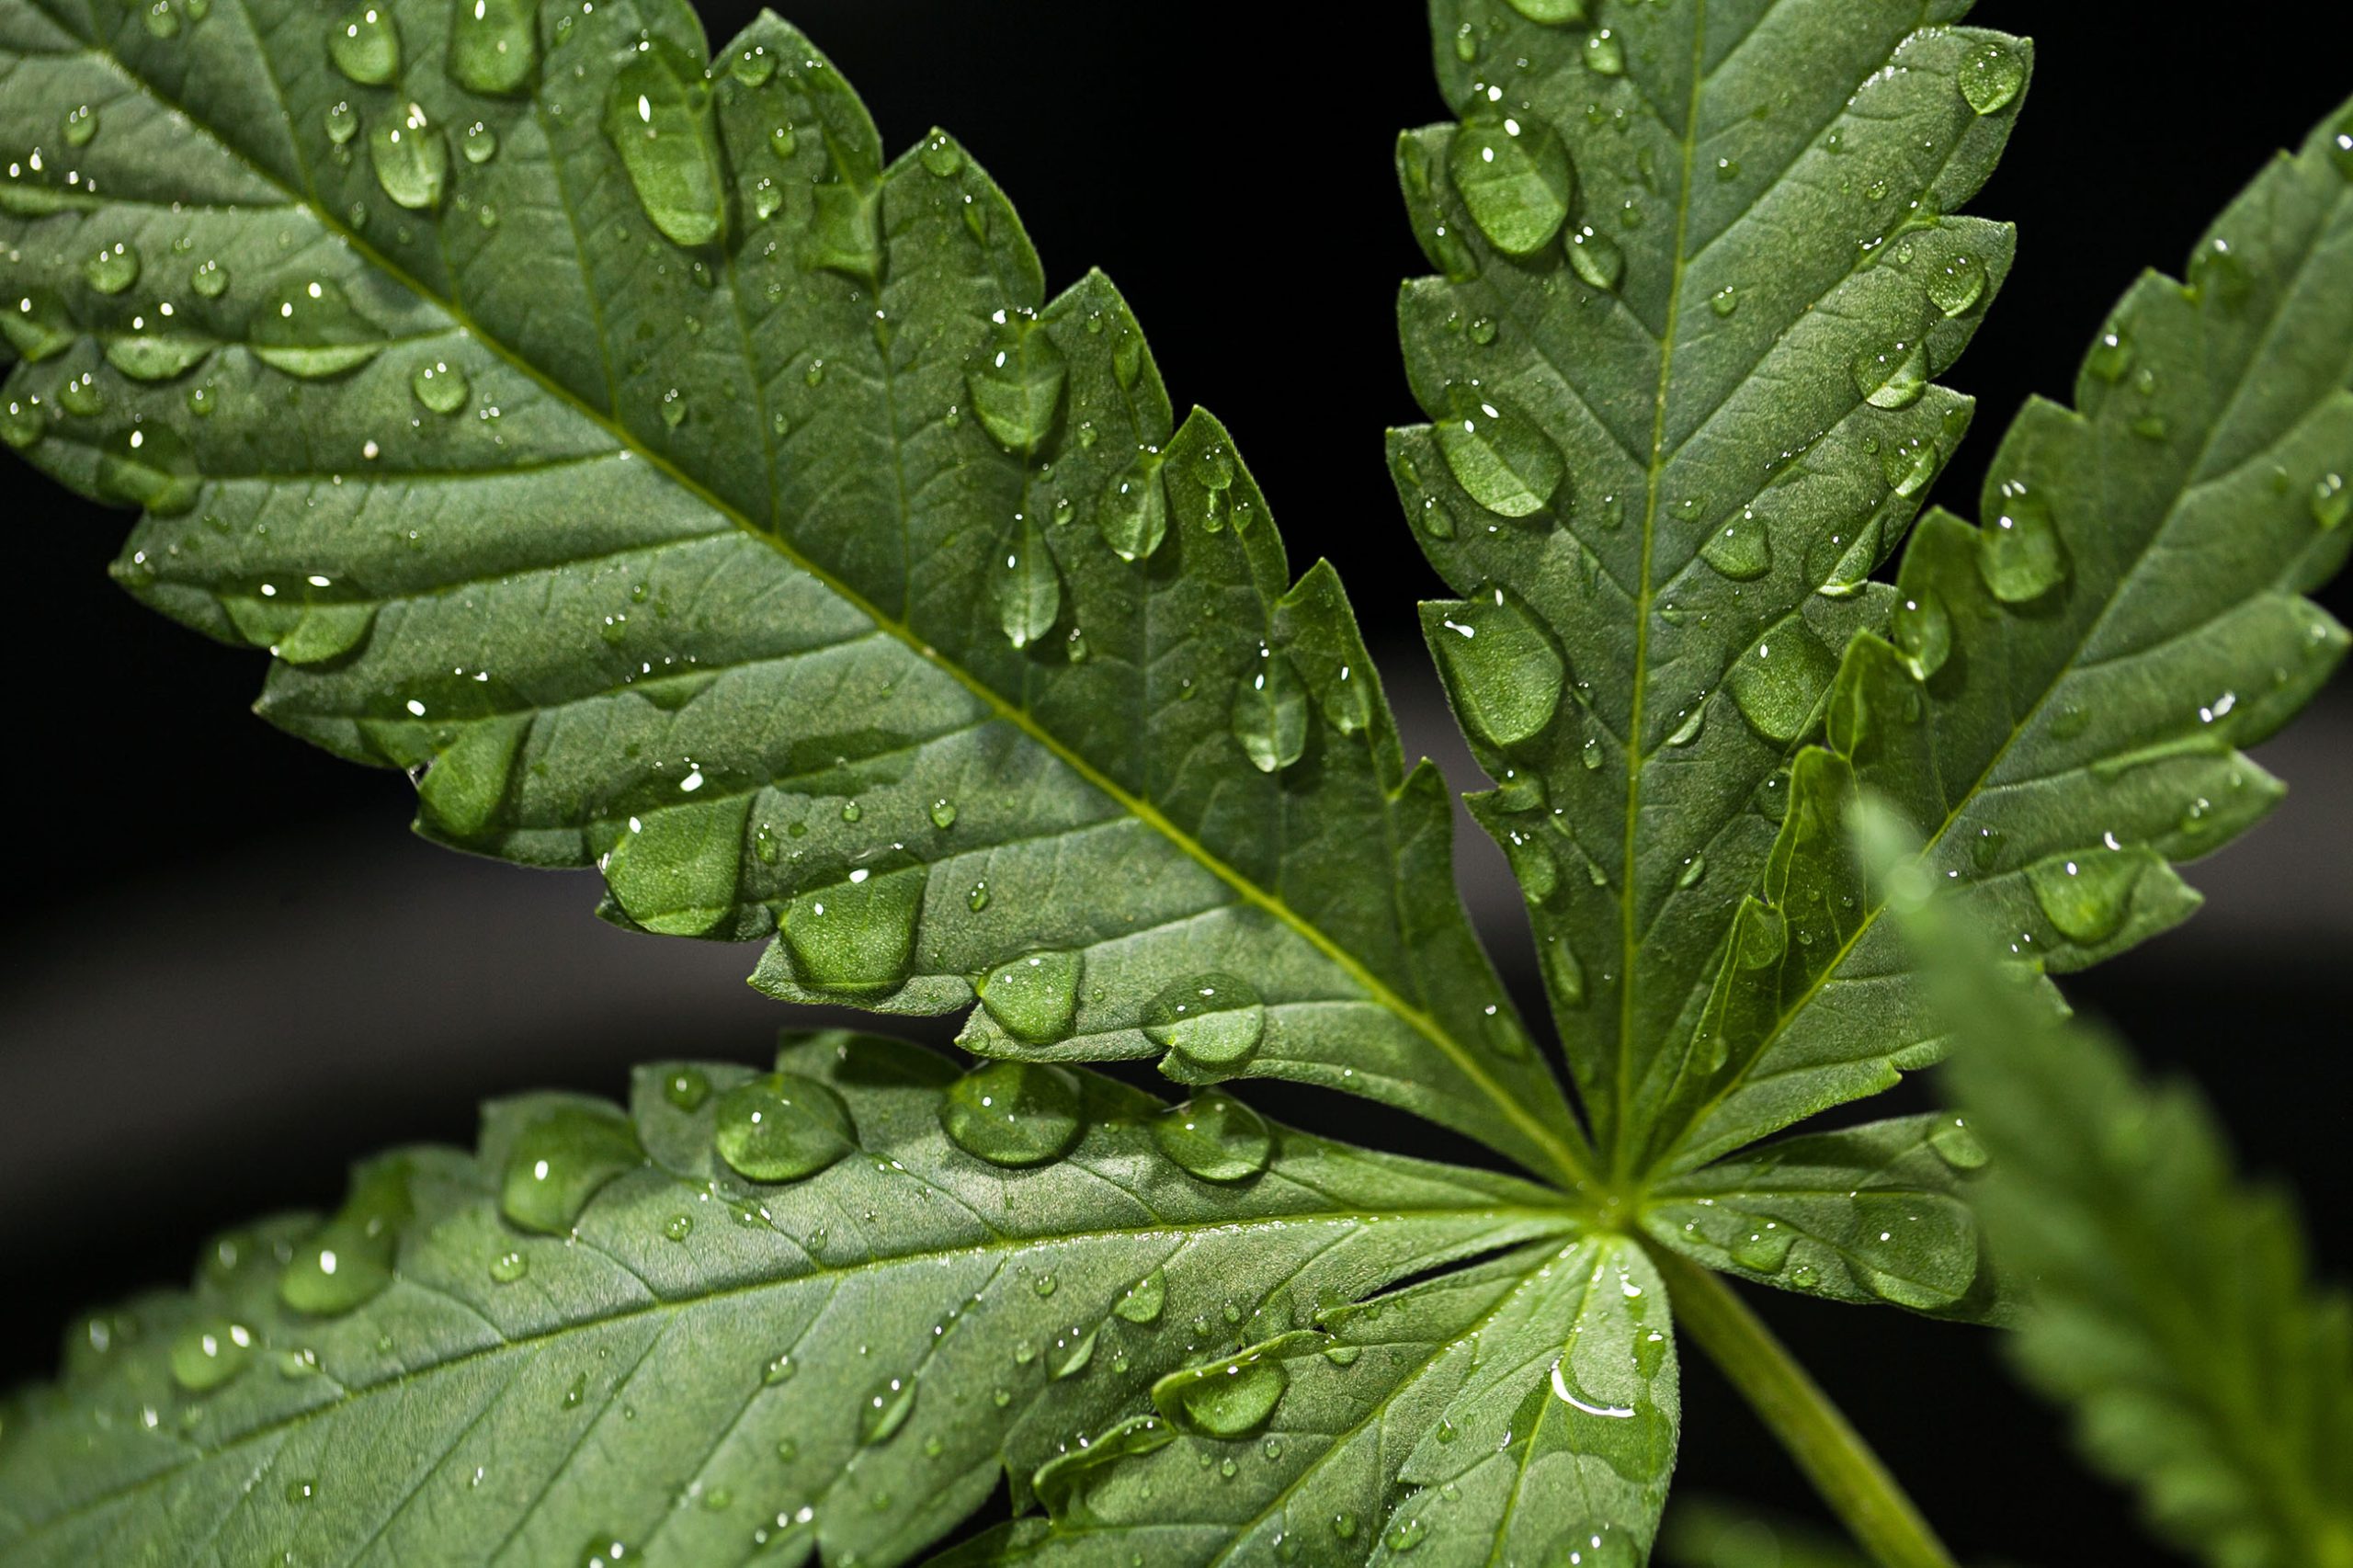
<point>1699,272</point>
<point>2173,1306</point>
<point>698,1364</point>
<point>1530,1401</point>
<point>670,483</point>
<point>2062,703</point>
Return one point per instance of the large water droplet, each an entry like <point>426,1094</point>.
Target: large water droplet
<point>560,1161</point>
<point>1895,376</point>
<point>1214,1020</point>
<point>440,386</point>
<point>658,118</point>
<point>782,1127</point>
<point>1504,670</point>
<point>1035,997</point>
<point>493,44</point>
<point>36,325</point>
<point>857,937</point>
<point>1923,631</point>
<point>1027,584</point>
<point>1143,1302</point>
<point>2020,554</point>
<point>884,1409</point>
<point>364,44</point>
<point>311,330</point>
<point>1778,682</point>
<point>1232,1399</point>
<point>2085,896</point>
<point>1214,1137</point>
<point>114,268</point>
<point>1016,387</point>
<point>1513,175</point>
<point>349,1260</point>
<point>1594,257</point>
<point>1270,713</point>
<point>155,357</point>
<point>1956,286</point>
<point>1992,75</point>
<point>1741,549</point>
<point>1503,461</point>
<point>410,157</point>
<point>1013,1113</point>
<point>1063,1480</point>
<point>1134,513</point>
<point>209,1353</point>
<point>150,466</point>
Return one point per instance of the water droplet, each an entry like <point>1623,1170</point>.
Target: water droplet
<point>493,45</point>
<point>857,937</point>
<point>1143,1302</point>
<point>411,159</point>
<point>364,44</point>
<point>2110,357</point>
<point>1483,330</point>
<point>1270,713</point>
<point>2020,555</point>
<point>1035,997</point>
<point>686,1089</point>
<point>1923,631</point>
<point>560,1161</point>
<point>1724,301</point>
<point>658,118</point>
<point>1564,972</point>
<point>1763,1250</point>
<point>1958,285</point>
<point>2332,501</point>
<point>1594,257</point>
<point>1513,175</point>
<point>1778,682</point>
<point>1502,461</point>
<point>1992,75</point>
<point>606,1552</point>
<point>149,466</point>
<point>1016,387</point>
<point>941,155</point>
<point>349,1260</point>
<point>22,424</point>
<point>784,142</point>
<point>2340,145</point>
<point>36,325</point>
<point>1214,1137</point>
<point>114,268</point>
<point>311,330</point>
<point>1026,583</point>
<point>2085,896</point>
<point>1214,1020</point>
<point>674,408</point>
<point>1013,1113</point>
<point>1551,13</point>
<point>1232,1399</point>
<point>480,143</point>
<point>1956,1145</point>
<point>301,1490</point>
<point>439,387</point>
<point>1070,1360</point>
<point>1894,377</point>
<point>80,124</point>
<point>782,1127</point>
<point>1134,513</point>
<point>210,1353</point>
<point>1504,670</point>
<point>509,1267</point>
<point>1604,54</point>
<point>211,279</point>
<point>1741,549</point>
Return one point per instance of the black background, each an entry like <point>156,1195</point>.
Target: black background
<point>228,973</point>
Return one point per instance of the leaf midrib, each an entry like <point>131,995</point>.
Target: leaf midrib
<point>1568,1168</point>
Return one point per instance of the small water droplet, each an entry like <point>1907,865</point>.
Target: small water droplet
<point>1958,285</point>
<point>311,330</point>
<point>1594,257</point>
<point>1143,1302</point>
<point>1724,301</point>
<point>1504,669</point>
<point>114,268</point>
<point>560,1161</point>
<point>439,387</point>
<point>1992,75</point>
<point>1604,55</point>
<point>686,1089</point>
<point>1270,713</point>
<point>509,1267</point>
<point>1923,631</point>
<point>210,1353</point>
<point>1026,583</point>
<point>1741,549</point>
<point>1895,376</point>
<point>1779,681</point>
<point>1551,13</point>
<point>149,466</point>
<point>1214,1021</point>
<point>2020,555</point>
<point>364,44</point>
<point>2087,896</point>
<point>1035,997</point>
<point>81,125</point>
<point>480,143</point>
<point>37,325</point>
<point>493,45</point>
<point>941,155</point>
<point>1763,1249</point>
<point>1134,513</point>
<point>1502,461</point>
<point>1017,386</point>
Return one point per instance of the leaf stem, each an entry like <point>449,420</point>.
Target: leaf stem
<point>1849,1477</point>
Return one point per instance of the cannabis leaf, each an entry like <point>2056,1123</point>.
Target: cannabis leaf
<point>671,485</point>
<point>765,1315</point>
<point>2173,1306</point>
<point>1700,266</point>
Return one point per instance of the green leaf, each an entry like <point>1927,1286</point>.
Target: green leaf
<point>2062,696</point>
<point>600,1329</point>
<point>1700,266</point>
<point>671,483</point>
<point>2173,1308</point>
<point>1873,1213</point>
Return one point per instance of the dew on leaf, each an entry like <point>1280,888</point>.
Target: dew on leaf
<point>1027,584</point>
<point>2020,554</point>
<point>1214,1020</point>
<point>36,325</point>
<point>1991,76</point>
<point>1132,515</point>
<point>1232,1399</point>
<point>1502,461</point>
<point>311,330</point>
<point>210,1353</point>
<point>1513,175</point>
<point>1270,713</point>
<point>658,118</point>
<point>1594,257</point>
<point>1034,998</point>
<point>1504,669</point>
<point>365,45</point>
<point>114,268</point>
<point>857,937</point>
<point>149,466</point>
<point>1741,550</point>
<point>494,46</point>
<point>1215,1137</point>
<point>1013,1113</point>
<point>1922,628</point>
<point>560,1161</point>
<point>1604,55</point>
<point>1143,1302</point>
<point>782,1127</point>
<point>2085,897</point>
<point>1017,386</point>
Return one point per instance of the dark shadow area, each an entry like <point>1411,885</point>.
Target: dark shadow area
<point>231,972</point>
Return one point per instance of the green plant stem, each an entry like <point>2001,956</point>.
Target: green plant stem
<point>1833,1456</point>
